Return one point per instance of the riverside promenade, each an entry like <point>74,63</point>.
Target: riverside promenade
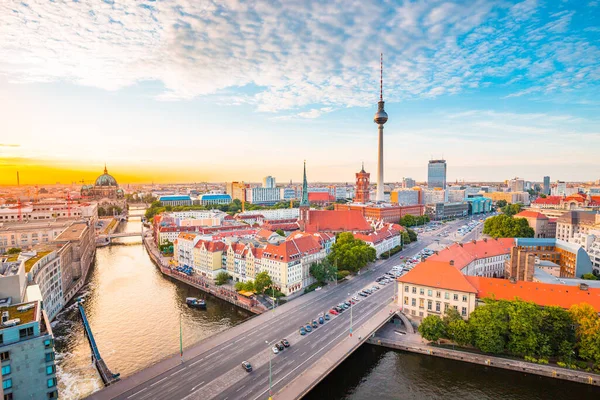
<point>392,337</point>
<point>226,294</point>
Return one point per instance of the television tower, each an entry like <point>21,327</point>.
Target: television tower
<point>380,118</point>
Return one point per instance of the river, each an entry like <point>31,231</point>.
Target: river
<point>135,312</point>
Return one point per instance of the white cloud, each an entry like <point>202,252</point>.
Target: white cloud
<point>295,54</point>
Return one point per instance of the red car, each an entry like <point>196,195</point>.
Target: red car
<point>401,257</point>
<point>332,311</point>
<point>352,302</point>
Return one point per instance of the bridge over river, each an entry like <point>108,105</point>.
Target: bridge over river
<point>211,369</point>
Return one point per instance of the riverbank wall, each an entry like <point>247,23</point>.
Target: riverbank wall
<point>230,296</point>
<point>549,371</point>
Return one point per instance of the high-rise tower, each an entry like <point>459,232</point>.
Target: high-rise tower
<point>380,118</point>
<point>361,194</point>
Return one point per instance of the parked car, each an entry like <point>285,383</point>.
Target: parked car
<point>275,350</point>
<point>302,331</point>
<point>285,343</point>
<point>321,320</point>
<point>333,312</point>
<point>308,328</point>
<point>327,317</point>
<point>280,346</point>
<point>247,366</point>
<point>314,324</point>
<point>355,298</point>
<point>362,294</point>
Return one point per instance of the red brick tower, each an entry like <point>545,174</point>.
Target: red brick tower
<point>362,194</point>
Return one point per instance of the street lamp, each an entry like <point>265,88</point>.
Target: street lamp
<point>270,356</point>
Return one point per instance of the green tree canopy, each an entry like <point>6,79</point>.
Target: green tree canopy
<point>280,232</point>
<point>323,271</point>
<point>504,226</point>
<point>501,203</point>
<point>351,254</point>
<point>222,278</point>
<point>587,330</point>
<point>432,328</point>
<point>511,209</point>
<point>412,235</point>
<point>13,250</point>
<point>460,332</point>
<point>489,324</point>
<point>590,277</point>
<point>262,281</point>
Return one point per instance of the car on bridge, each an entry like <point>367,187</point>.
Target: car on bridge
<point>302,331</point>
<point>247,366</point>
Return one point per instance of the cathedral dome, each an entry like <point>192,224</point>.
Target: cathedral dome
<point>106,180</point>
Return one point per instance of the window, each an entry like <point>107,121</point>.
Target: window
<point>414,289</point>
<point>420,313</point>
<point>421,291</point>
<point>429,304</point>
<point>48,343</point>
<point>8,396</point>
<point>50,369</point>
<point>4,356</point>
<point>49,357</point>
<point>406,288</point>
<point>7,384</point>
<point>447,295</point>
<point>53,395</point>
<point>421,303</point>
<point>414,302</point>
<point>464,298</point>
<point>446,305</point>
<point>26,332</point>
<point>1,339</point>
<point>438,294</point>
<point>464,311</point>
<point>6,370</point>
<point>406,300</point>
<point>437,306</point>
<point>455,297</point>
<point>430,293</point>
<point>51,382</point>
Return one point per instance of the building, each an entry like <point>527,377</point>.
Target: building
<point>320,198</point>
<point>237,190</point>
<point>543,227</point>
<point>432,196</point>
<point>385,239</point>
<point>455,195</point>
<point>590,242</point>
<point>405,197</point>
<point>479,205</point>
<point>443,211</point>
<point>516,185</point>
<point>380,119</point>
<point>560,189</point>
<point>555,206</point>
<point>436,174</point>
<point>269,182</point>
<point>509,197</point>
<point>27,345</point>
<point>105,186</point>
<point>50,210</point>
<point>175,200</point>
<point>214,198</point>
<point>432,287</point>
<point>43,268</point>
<point>26,235</point>
<point>383,212</point>
<point>571,259</point>
<point>546,188</point>
<point>363,186</point>
<point>261,195</point>
<point>208,258</point>
<point>573,222</point>
<point>287,194</point>
<point>335,221</point>
<point>485,257</point>
<point>408,183</point>
<point>277,214</point>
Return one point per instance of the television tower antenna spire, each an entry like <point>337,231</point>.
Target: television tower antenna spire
<point>381,77</point>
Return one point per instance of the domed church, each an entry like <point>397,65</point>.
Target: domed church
<point>106,186</point>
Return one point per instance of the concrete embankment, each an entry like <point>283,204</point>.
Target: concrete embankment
<point>202,284</point>
<point>412,343</point>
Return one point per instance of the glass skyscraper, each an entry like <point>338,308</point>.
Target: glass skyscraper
<point>436,174</point>
<point>546,188</point>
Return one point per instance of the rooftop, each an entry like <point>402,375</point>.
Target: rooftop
<point>539,275</point>
<point>339,220</point>
<point>30,262</point>
<point>438,274</point>
<point>73,232</point>
<point>531,214</point>
<point>25,316</point>
<point>465,253</point>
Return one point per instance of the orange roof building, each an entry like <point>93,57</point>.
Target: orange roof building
<point>335,221</point>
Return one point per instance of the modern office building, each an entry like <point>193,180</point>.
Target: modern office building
<point>408,183</point>
<point>573,222</point>
<point>214,198</point>
<point>261,195</point>
<point>509,197</point>
<point>457,194</point>
<point>237,190</point>
<point>436,174</point>
<point>546,187</point>
<point>516,185</point>
<point>443,211</point>
<point>287,194</point>
<point>479,205</point>
<point>560,189</point>
<point>404,197</point>
<point>175,200</point>
<point>591,244</point>
<point>433,196</point>
<point>269,182</point>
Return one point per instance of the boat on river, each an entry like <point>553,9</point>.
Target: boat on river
<point>195,303</point>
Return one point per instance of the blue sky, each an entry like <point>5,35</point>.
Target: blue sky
<point>189,91</point>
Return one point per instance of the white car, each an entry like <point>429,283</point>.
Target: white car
<point>275,350</point>
<point>318,288</point>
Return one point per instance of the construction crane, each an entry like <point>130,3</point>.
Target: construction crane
<point>19,208</point>
<point>37,194</point>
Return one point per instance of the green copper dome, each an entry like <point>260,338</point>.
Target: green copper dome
<point>106,180</point>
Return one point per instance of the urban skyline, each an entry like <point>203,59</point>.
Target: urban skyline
<point>454,84</point>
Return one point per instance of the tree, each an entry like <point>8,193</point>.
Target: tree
<point>405,238</point>
<point>450,316</point>
<point>249,286</point>
<point>501,203</point>
<point>489,324</point>
<point>460,332</point>
<point>556,326</point>
<point>13,250</point>
<point>412,235</point>
<point>239,286</point>
<point>262,281</point>
<point>504,226</point>
<point>589,277</point>
<point>524,322</point>
<point>511,209</point>
<point>323,271</point>
<point>587,331</point>
<point>408,220</point>
<point>222,278</point>
<point>280,232</point>
<point>432,328</point>
<point>351,254</point>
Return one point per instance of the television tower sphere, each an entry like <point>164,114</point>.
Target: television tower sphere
<point>381,116</point>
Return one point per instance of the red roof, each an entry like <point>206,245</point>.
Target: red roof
<point>577,197</point>
<point>543,294</point>
<point>531,214</point>
<point>210,245</point>
<point>548,200</point>
<point>379,236</point>
<point>320,196</point>
<point>437,274</point>
<point>291,226</point>
<point>264,234</point>
<point>293,249</point>
<point>463,254</point>
<point>336,221</point>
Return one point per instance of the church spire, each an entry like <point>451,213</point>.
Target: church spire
<point>304,202</point>
<point>105,171</point>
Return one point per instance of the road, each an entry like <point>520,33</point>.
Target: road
<point>216,373</point>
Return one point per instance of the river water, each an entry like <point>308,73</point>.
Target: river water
<point>135,312</point>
